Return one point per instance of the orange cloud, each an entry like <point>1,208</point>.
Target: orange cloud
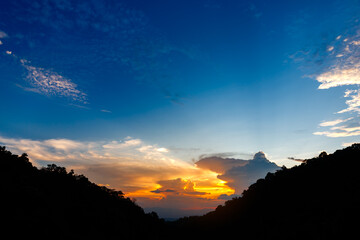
<point>143,171</point>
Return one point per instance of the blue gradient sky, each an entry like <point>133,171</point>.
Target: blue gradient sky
<point>193,77</point>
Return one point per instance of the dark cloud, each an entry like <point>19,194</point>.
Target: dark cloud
<point>295,159</point>
<point>132,177</point>
<point>239,174</point>
<point>162,191</point>
<point>228,197</point>
<point>219,164</point>
<point>177,186</point>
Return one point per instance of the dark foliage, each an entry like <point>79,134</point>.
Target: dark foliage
<point>320,199</point>
<point>51,202</point>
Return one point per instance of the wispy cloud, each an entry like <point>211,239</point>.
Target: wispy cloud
<point>124,144</point>
<point>105,111</point>
<point>347,144</point>
<point>334,122</point>
<point>48,82</point>
<point>344,71</point>
<point>353,103</point>
<point>335,134</point>
<point>116,34</point>
<point>339,77</point>
<point>3,34</point>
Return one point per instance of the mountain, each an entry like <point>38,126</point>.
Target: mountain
<point>319,199</point>
<point>55,203</point>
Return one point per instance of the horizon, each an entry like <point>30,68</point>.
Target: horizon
<point>170,102</point>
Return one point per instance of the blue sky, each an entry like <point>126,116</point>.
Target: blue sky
<point>186,77</point>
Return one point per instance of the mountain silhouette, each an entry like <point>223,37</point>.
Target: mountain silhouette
<point>319,199</point>
<point>58,204</point>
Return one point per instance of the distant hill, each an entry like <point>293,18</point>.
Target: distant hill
<point>319,199</point>
<point>53,203</point>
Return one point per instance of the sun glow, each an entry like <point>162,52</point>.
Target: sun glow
<point>204,185</point>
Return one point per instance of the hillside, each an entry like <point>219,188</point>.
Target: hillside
<point>319,199</point>
<point>59,204</point>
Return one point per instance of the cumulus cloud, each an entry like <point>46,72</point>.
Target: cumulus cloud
<point>220,164</point>
<point>141,170</point>
<point>239,174</point>
<point>177,186</point>
<point>148,172</point>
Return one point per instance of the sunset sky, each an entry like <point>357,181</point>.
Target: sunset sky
<point>171,102</point>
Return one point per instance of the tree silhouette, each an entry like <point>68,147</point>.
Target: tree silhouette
<point>319,199</point>
<point>53,202</point>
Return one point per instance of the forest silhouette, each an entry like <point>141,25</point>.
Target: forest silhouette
<point>58,204</point>
<point>319,199</point>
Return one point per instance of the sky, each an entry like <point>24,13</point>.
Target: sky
<point>179,104</point>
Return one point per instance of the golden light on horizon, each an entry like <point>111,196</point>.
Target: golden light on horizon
<point>205,185</point>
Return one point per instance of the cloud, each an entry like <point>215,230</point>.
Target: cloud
<point>177,186</point>
<point>115,34</point>
<point>3,35</point>
<point>148,172</point>
<point>49,83</point>
<point>334,122</point>
<point>105,111</point>
<point>296,159</point>
<point>330,48</point>
<point>346,128</point>
<point>220,164</point>
<point>163,191</point>
<point>343,70</point>
<point>141,170</point>
<point>353,103</point>
<point>125,144</point>
<point>228,197</point>
<point>337,134</point>
<point>239,174</point>
<point>348,144</point>
<point>339,77</point>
